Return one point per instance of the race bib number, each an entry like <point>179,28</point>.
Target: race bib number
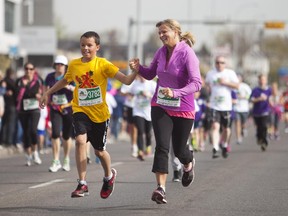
<point>141,103</point>
<point>30,104</point>
<point>219,100</point>
<point>89,96</point>
<point>59,99</point>
<point>167,101</point>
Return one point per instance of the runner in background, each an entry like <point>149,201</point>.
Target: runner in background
<point>60,115</point>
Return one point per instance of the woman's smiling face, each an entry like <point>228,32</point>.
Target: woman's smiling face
<point>167,35</point>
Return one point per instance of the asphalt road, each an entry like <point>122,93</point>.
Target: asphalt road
<point>249,182</point>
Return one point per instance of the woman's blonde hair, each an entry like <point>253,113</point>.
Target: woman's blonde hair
<point>188,38</point>
<point>175,25</point>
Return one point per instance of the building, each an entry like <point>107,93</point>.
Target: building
<point>9,31</point>
<point>28,32</point>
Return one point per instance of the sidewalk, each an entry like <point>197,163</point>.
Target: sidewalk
<point>8,151</point>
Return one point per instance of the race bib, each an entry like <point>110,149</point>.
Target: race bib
<point>219,100</point>
<point>167,101</point>
<point>141,103</point>
<point>59,99</point>
<point>30,104</point>
<point>89,96</point>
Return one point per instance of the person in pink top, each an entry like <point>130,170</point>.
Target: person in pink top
<point>176,67</point>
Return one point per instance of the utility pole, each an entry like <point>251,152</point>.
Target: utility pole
<point>138,34</point>
<point>130,43</point>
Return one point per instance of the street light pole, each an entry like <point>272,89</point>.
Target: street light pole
<point>138,34</point>
<point>130,42</point>
<point>189,12</point>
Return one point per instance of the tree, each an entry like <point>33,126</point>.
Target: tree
<point>276,49</point>
<point>151,45</point>
<point>240,40</point>
<point>5,62</point>
<point>60,29</point>
<point>116,52</point>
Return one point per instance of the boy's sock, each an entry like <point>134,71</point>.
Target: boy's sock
<point>83,182</point>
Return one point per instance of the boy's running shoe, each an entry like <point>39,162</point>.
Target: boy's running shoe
<point>108,186</point>
<point>188,177</point>
<point>81,191</point>
<point>159,196</point>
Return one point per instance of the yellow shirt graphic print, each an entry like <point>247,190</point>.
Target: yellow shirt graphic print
<point>91,80</point>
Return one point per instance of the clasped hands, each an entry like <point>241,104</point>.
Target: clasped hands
<point>134,64</point>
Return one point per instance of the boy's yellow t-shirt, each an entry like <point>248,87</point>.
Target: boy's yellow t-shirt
<point>91,80</point>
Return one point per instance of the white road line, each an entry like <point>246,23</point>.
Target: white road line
<point>61,180</point>
<point>47,183</point>
<point>116,164</point>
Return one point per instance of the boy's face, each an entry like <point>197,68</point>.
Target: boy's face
<point>88,48</point>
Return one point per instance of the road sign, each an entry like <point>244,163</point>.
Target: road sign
<point>274,25</point>
<point>13,51</point>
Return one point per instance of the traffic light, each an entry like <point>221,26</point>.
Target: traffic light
<point>274,25</point>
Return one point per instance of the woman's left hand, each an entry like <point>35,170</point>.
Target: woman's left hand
<point>167,92</point>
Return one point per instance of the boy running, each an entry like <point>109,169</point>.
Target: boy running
<point>90,111</point>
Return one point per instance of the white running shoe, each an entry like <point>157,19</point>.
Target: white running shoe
<point>28,160</point>
<point>28,163</point>
<point>134,150</point>
<point>36,158</point>
<point>56,165</point>
<point>66,165</point>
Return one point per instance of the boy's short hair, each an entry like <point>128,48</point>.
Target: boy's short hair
<point>92,34</point>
